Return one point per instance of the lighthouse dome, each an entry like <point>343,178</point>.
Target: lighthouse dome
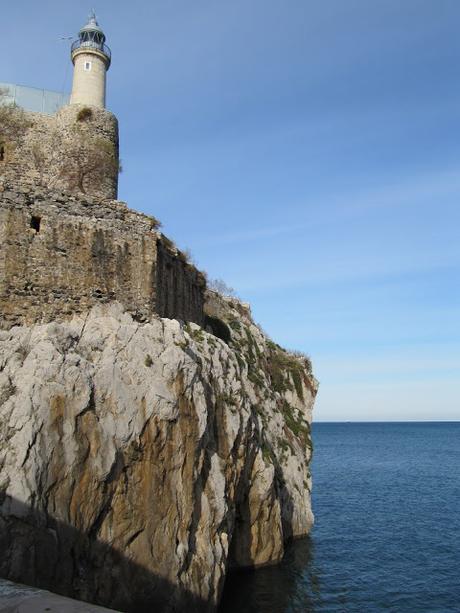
<point>91,38</point>
<point>92,27</point>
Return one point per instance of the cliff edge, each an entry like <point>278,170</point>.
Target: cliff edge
<point>139,461</point>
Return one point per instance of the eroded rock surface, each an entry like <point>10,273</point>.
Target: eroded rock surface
<point>138,461</point>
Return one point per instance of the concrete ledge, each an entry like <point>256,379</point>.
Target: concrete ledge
<point>17,598</point>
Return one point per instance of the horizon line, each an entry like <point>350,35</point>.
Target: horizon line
<point>389,421</point>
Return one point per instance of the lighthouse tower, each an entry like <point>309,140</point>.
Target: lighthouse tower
<point>91,59</point>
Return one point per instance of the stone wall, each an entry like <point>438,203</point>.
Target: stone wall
<point>76,150</point>
<point>61,254</point>
<point>180,286</point>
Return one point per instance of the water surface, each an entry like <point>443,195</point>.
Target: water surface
<point>387,534</point>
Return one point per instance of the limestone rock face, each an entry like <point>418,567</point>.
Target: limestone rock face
<point>139,461</point>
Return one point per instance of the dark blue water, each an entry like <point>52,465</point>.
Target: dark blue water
<point>387,533</point>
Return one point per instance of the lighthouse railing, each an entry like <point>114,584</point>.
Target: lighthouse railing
<point>78,44</point>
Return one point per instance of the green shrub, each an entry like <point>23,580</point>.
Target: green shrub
<point>241,362</point>
<point>296,377</point>
<point>235,325</point>
<point>227,398</point>
<point>295,422</point>
<point>267,452</point>
<point>196,334</point>
<point>283,367</point>
<point>254,375</point>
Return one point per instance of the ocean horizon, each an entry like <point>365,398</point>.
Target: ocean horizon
<point>390,421</point>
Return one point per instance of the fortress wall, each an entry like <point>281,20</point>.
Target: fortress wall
<point>19,136</point>
<point>60,255</point>
<point>180,286</point>
<point>76,255</point>
<point>74,150</point>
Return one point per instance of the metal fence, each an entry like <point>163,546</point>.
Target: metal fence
<point>33,99</point>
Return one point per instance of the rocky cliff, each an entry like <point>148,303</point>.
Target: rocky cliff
<point>140,461</point>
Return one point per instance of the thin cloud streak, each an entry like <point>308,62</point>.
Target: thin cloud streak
<point>338,271</point>
<point>407,193</point>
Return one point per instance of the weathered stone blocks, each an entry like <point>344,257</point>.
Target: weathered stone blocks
<point>62,254</point>
<point>74,150</point>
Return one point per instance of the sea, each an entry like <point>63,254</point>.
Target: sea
<point>386,499</point>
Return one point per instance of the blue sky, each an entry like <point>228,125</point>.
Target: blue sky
<point>308,153</point>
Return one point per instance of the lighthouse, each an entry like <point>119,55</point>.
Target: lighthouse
<point>91,59</point>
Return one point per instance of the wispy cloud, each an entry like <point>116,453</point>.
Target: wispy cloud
<point>330,208</point>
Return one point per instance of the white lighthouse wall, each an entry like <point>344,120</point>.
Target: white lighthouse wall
<point>88,85</point>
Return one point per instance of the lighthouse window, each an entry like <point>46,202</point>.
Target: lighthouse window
<point>87,65</point>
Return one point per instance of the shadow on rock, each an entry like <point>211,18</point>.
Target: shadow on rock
<point>39,551</point>
<point>291,586</point>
